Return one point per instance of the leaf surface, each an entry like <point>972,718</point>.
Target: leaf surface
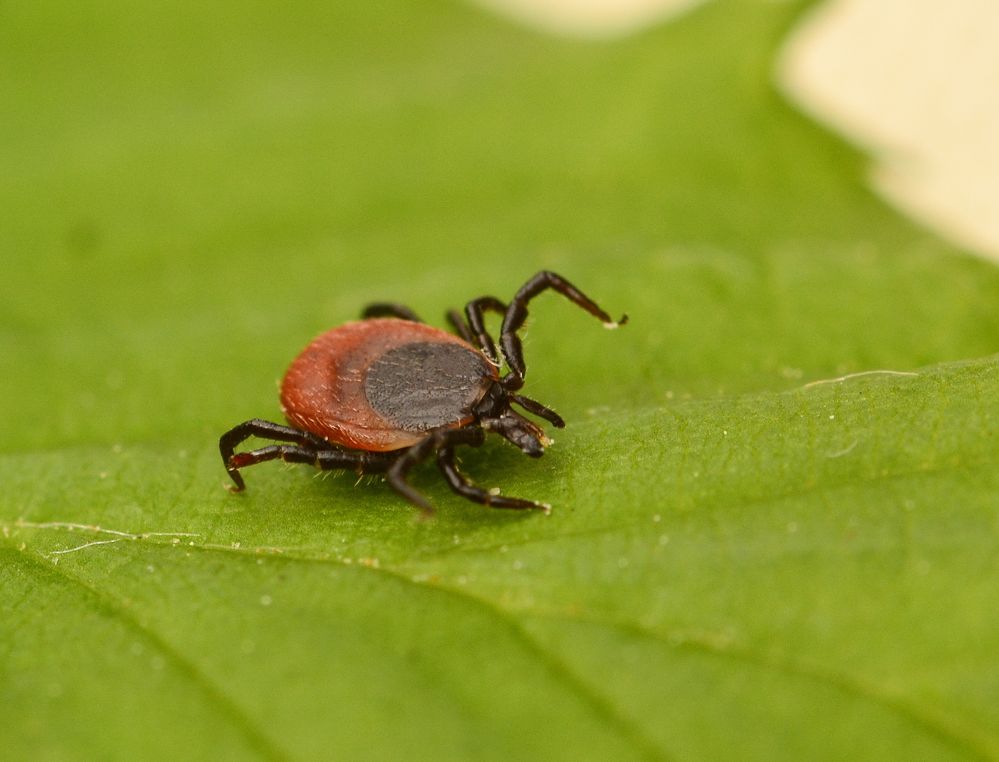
<point>774,530</point>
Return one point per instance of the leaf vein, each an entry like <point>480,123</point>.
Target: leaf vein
<point>215,695</point>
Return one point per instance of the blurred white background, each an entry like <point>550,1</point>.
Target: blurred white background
<point>915,83</point>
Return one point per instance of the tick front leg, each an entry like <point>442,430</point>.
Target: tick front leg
<point>516,314</point>
<point>462,486</point>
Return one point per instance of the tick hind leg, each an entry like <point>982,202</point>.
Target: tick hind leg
<point>390,309</point>
<point>516,314</point>
<point>358,461</point>
<point>257,427</point>
<point>287,453</point>
<point>305,448</point>
<point>462,486</point>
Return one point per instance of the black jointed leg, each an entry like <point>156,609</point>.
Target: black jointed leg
<point>516,314</point>
<point>475,311</point>
<point>460,485</point>
<point>519,431</point>
<point>389,309</point>
<point>358,461</point>
<point>535,407</point>
<point>472,436</point>
<point>438,395</point>
<point>257,427</point>
<point>460,326</point>
<point>306,448</point>
<point>361,461</point>
<point>287,453</point>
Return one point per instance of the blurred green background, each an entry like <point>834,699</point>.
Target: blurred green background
<point>190,192</point>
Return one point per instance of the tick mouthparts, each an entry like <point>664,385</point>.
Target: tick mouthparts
<point>623,320</point>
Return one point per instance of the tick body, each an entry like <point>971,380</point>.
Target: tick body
<point>383,384</point>
<point>384,393</point>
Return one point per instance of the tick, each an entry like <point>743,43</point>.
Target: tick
<point>384,393</point>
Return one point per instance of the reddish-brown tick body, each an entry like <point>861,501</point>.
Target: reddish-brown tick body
<point>387,392</point>
<point>382,384</point>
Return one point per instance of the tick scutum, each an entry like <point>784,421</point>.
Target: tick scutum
<point>424,385</point>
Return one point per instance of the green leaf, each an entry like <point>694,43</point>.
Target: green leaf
<point>774,531</point>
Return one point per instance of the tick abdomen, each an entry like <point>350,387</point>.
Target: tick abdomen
<point>381,384</point>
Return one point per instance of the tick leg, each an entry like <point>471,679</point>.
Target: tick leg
<point>419,452</point>
<point>516,314</point>
<point>258,427</point>
<point>398,471</point>
<point>325,460</point>
<point>460,484</point>
<point>389,309</point>
<point>475,311</point>
<point>360,461</point>
<point>289,453</point>
<point>460,326</point>
<point>533,406</point>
